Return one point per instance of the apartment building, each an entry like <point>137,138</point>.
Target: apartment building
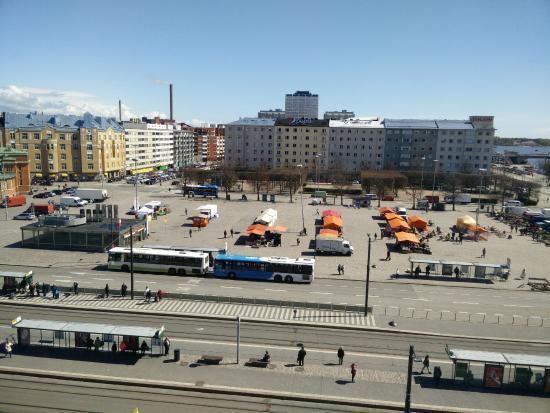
<point>272,114</point>
<point>14,172</point>
<point>338,115</point>
<point>209,143</point>
<point>249,143</point>
<point>184,146</point>
<point>63,147</point>
<point>149,146</point>
<point>303,141</point>
<point>302,104</point>
<point>356,144</point>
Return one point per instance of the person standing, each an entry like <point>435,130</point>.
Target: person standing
<point>428,270</point>
<point>8,346</point>
<point>339,269</point>
<point>483,251</point>
<point>343,269</point>
<point>185,211</point>
<point>301,356</point>
<point>75,288</point>
<point>341,355</point>
<point>123,289</point>
<point>388,256</point>
<point>190,233</point>
<point>426,364</point>
<point>113,348</point>
<point>106,290</point>
<point>353,372</point>
<point>166,343</point>
<point>31,290</point>
<point>417,271</point>
<point>232,232</point>
<point>160,294</point>
<point>225,233</point>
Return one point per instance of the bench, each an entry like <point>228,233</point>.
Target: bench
<point>211,360</point>
<point>257,363</point>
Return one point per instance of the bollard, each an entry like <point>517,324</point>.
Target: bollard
<point>177,354</point>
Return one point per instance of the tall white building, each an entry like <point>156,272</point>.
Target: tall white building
<point>302,104</point>
<point>338,114</point>
<point>184,146</point>
<point>149,146</point>
<point>356,144</point>
<point>249,143</point>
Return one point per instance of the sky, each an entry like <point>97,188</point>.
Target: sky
<point>229,59</point>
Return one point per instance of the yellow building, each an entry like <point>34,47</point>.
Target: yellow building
<point>301,142</point>
<point>67,147</point>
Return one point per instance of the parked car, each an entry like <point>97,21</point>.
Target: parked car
<point>388,198</point>
<point>26,216</point>
<point>43,195</point>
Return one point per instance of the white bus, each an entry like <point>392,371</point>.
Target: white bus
<point>157,260</point>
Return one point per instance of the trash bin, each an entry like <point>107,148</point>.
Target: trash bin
<point>272,197</point>
<point>177,353</point>
<point>437,374</point>
<point>228,197</point>
<point>264,197</point>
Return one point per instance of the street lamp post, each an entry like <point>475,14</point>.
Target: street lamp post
<point>481,170</point>
<point>422,177</point>
<point>2,198</point>
<point>132,262</point>
<point>135,185</point>
<point>300,166</point>
<point>433,183</point>
<point>368,279</point>
<point>317,160</point>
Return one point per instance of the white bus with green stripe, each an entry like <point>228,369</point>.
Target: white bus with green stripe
<point>158,260</point>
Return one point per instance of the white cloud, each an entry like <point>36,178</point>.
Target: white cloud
<point>155,113</point>
<point>197,122</point>
<point>24,99</point>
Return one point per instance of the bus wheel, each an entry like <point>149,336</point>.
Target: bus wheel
<point>125,268</point>
<point>278,278</point>
<point>172,271</point>
<point>232,276</point>
<point>288,279</point>
<point>181,271</point>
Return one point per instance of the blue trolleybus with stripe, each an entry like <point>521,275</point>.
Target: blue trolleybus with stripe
<point>278,269</point>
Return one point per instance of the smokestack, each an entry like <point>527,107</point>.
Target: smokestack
<point>171,103</point>
<point>119,110</point>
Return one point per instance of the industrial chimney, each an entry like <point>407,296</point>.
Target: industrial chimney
<point>119,110</point>
<point>171,103</point>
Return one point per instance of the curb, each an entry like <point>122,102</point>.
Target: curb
<point>235,391</point>
<point>270,322</point>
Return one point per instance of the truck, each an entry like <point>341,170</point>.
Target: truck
<point>72,201</point>
<point>92,195</point>
<point>13,201</point>
<point>336,246</point>
<point>458,199</point>
<point>42,209</point>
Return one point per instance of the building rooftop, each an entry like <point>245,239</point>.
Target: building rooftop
<point>253,122</point>
<point>302,122</point>
<point>301,93</point>
<point>454,124</point>
<point>35,121</point>
<point>360,122</point>
<point>411,123</point>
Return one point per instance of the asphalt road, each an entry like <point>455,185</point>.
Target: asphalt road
<point>271,334</point>
<point>436,298</point>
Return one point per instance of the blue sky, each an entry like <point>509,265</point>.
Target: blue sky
<point>228,59</point>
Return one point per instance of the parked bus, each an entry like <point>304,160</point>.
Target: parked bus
<point>277,269</point>
<point>159,260</point>
<point>200,190</point>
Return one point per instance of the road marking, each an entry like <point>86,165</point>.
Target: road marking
<point>417,299</point>
<point>79,273</point>
<point>343,303</point>
<point>64,276</point>
<point>319,292</point>
<point>271,289</point>
<point>497,296</point>
<point>104,279</point>
<point>519,306</point>
<point>464,302</point>
<point>227,286</point>
<point>147,282</point>
<point>63,281</point>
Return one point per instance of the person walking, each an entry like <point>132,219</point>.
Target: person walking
<point>106,290</point>
<point>123,289</point>
<point>339,269</point>
<point>375,236</point>
<point>353,372</point>
<point>166,343</point>
<point>301,356</point>
<point>190,233</point>
<point>426,364</point>
<point>341,355</point>
<point>185,211</point>
<point>37,289</point>
<point>147,294</point>
<point>428,270</point>
<point>160,294</point>
<point>75,288</point>
<point>225,233</point>
<point>388,256</point>
<point>343,269</point>
<point>483,252</point>
<point>298,242</point>
<point>231,232</point>
<point>31,290</point>
<point>8,347</point>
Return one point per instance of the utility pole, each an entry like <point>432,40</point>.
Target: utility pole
<point>238,337</point>
<point>368,280</point>
<point>132,262</point>
<point>409,378</point>
<point>2,198</point>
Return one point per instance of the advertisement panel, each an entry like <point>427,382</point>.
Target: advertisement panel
<point>493,376</point>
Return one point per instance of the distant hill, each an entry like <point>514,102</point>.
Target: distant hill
<point>521,142</point>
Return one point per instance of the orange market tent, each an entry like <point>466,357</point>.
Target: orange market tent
<point>334,223</point>
<point>465,221</point>
<point>398,224</point>
<point>406,237</point>
<point>385,210</point>
<point>328,233</point>
<point>277,228</point>
<point>256,229</point>
<point>392,215</point>
<point>418,222</point>
<point>330,213</point>
<point>200,221</point>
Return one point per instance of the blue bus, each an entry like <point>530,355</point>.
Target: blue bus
<point>200,190</point>
<point>278,269</point>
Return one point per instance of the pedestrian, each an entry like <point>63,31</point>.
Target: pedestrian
<point>31,290</point>
<point>426,364</point>
<point>144,347</point>
<point>8,347</point>
<point>341,355</point>
<point>113,348</point>
<point>339,269</point>
<point>185,211</point>
<point>461,237</point>
<point>97,344</point>
<point>388,256</point>
<point>417,271</point>
<point>166,343</point>
<point>457,272</point>
<point>343,269</point>
<point>148,296</point>
<point>294,312</point>
<point>483,251</point>
<point>317,212</point>
<point>37,289</point>
<point>106,290</point>
<point>353,372</point>
<point>301,356</point>
<point>232,232</point>
<point>375,236</point>
<point>428,270</point>
<point>75,288</point>
<point>54,290</point>
<point>123,289</point>
<point>160,294</point>
<point>169,189</point>
<point>190,233</point>
<point>522,276</point>
<point>225,233</point>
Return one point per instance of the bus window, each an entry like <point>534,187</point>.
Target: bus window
<point>116,257</point>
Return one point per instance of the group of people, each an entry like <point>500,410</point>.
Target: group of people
<point>230,231</point>
<point>43,288</point>
<point>341,269</point>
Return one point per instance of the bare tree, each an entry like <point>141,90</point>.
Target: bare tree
<point>228,179</point>
<point>341,182</point>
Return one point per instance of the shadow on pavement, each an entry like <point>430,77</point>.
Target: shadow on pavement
<point>79,355</point>
<point>444,278</point>
<point>343,382</point>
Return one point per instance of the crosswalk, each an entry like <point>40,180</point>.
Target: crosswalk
<point>169,306</point>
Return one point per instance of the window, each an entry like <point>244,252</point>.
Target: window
<point>62,137</point>
<point>37,156</point>
<point>38,167</point>
<point>90,157</point>
<point>50,165</point>
<point>24,136</point>
<point>50,157</point>
<point>63,156</point>
<point>37,147</point>
<point>90,166</point>
<point>36,136</point>
<point>25,146</point>
<point>89,147</point>
<point>64,166</point>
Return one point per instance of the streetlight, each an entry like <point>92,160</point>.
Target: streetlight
<point>135,185</point>
<point>433,184</point>
<point>2,180</point>
<point>300,166</point>
<point>132,262</point>
<point>368,280</point>
<point>422,177</point>
<point>481,170</point>
<point>317,158</point>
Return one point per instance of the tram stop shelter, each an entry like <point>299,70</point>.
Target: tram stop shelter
<point>475,270</point>
<point>502,370</point>
<point>63,334</point>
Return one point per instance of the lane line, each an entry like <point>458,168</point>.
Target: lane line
<point>146,282</point>
<point>320,292</point>
<point>104,279</point>
<point>464,302</point>
<point>271,289</point>
<point>228,286</point>
<point>78,273</point>
<point>416,299</point>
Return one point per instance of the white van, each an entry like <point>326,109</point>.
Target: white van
<point>513,202</point>
<point>72,201</point>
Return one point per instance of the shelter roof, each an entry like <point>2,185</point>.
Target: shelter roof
<point>330,212</point>
<point>474,355</point>
<point>332,221</point>
<point>406,237</point>
<point>528,359</point>
<point>385,210</point>
<point>398,223</point>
